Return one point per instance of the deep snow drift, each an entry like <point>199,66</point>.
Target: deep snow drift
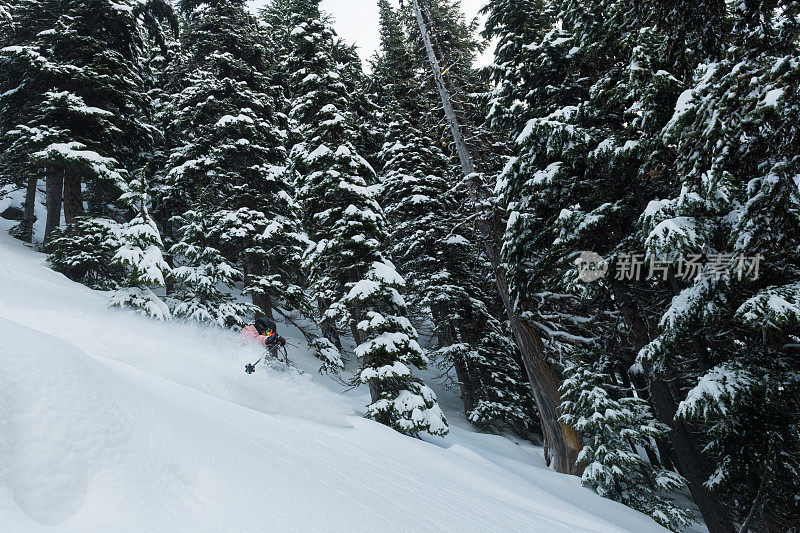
<point>113,422</point>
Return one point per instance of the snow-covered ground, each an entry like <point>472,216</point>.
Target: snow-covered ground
<point>112,422</point>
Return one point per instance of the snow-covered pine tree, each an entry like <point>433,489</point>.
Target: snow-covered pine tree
<point>449,277</point>
<point>594,89</point>
<point>17,31</point>
<point>7,25</point>
<point>228,164</point>
<point>160,61</point>
<point>84,251</point>
<point>141,255</point>
<point>430,243</point>
<point>367,114</point>
<point>537,109</point>
<point>80,124</point>
<point>351,277</point>
<point>395,79</point>
<point>388,351</point>
<point>562,443</point>
<point>616,429</point>
<point>734,133</point>
<point>203,272</point>
<point>316,84</point>
<point>413,183</point>
<point>30,118</point>
<point>502,397</point>
<point>515,25</point>
<point>274,17</point>
<point>89,126</point>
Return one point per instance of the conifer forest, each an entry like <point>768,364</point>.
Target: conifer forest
<point>592,242</point>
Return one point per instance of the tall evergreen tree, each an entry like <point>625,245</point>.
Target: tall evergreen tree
<point>593,101</point>
<point>562,443</point>
<point>736,146</point>
<point>597,128</point>
<point>228,165</point>
<point>431,243</point>
<point>82,122</point>
<point>274,17</point>
<point>141,254</point>
<point>17,105</point>
<point>351,276</point>
<point>76,99</point>
<point>615,429</point>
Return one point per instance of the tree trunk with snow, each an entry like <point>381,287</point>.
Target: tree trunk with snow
<point>356,311</point>
<point>263,302</point>
<point>562,443</point>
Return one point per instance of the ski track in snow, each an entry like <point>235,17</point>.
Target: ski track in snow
<point>114,422</point>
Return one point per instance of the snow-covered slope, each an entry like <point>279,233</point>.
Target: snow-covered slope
<point>112,422</point>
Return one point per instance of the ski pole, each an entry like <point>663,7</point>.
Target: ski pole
<point>281,354</point>
<point>252,367</point>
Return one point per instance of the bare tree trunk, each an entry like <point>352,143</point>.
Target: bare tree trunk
<point>374,390</point>
<point>54,190</point>
<point>263,302</point>
<point>169,281</point>
<point>73,197</point>
<point>562,443</point>
<point>29,217</point>
<point>464,155</point>
<point>355,314</point>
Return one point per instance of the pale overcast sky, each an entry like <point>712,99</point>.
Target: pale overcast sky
<point>357,20</point>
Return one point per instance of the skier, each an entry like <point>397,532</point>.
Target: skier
<point>265,332</point>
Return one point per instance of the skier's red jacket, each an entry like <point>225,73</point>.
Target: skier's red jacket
<point>250,332</point>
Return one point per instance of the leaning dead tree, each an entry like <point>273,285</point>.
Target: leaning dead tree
<point>562,443</point>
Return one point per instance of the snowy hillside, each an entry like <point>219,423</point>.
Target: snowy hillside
<point>109,421</point>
